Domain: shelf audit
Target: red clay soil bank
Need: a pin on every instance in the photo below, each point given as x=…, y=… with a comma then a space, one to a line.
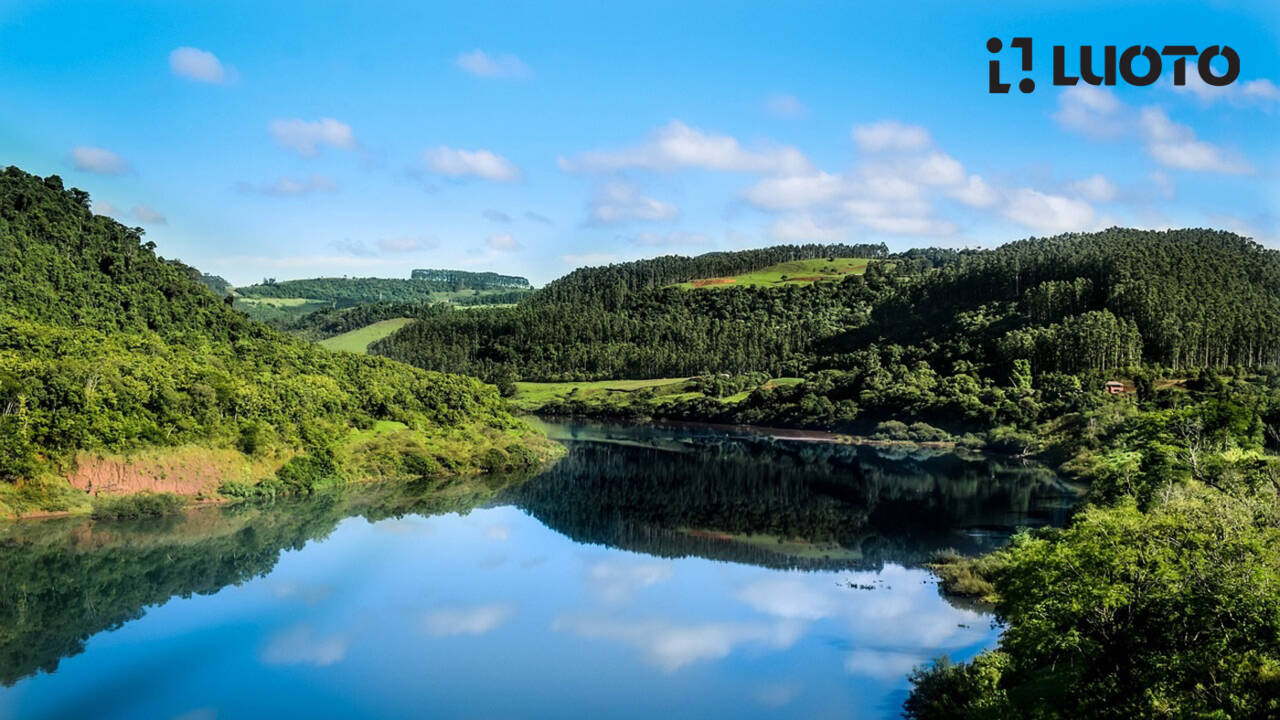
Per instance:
x=184, y=473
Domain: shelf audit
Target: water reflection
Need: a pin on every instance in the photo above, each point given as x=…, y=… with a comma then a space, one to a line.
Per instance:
x=456, y=600
x=682, y=490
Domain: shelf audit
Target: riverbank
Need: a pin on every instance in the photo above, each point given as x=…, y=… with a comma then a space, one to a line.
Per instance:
x=157, y=480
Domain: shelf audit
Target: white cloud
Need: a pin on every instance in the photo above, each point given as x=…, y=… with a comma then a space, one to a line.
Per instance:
x=891, y=135
x=148, y=214
x=290, y=187
x=471, y=163
x=503, y=243
x=784, y=105
x=900, y=217
x=538, y=218
x=619, y=201
x=496, y=216
x=1095, y=188
x=1097, y=112
x=975, y=192
x=671, y=647
x=937, y=168
x=307, y=137
x=482, y=64
x=787, y=598
x=883, y=665
x=677, y=146
x=1049, y=214
x=199, y=65
x=1262, y=90
x=102, y=207
x=476, y=620
x=1175, y=145
x=793, y=192
x=300, y=646
x=406, y=244
x=1090, y=111
x=805, y=228
x=616, y=582
x=98, y=160
x=1259, y=92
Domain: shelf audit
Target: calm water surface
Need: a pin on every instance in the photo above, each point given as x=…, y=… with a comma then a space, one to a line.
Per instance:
x=679, y=572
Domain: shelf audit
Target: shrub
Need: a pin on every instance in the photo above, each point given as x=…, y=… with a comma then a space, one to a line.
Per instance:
x=137, y=505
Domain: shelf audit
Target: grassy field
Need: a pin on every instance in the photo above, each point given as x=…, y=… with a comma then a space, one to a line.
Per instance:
x=797, y=272
x=358, y=341
x=278, y=309
x=532, y=395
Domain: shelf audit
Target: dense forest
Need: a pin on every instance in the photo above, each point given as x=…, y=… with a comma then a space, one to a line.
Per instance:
x=104, y=345
x=960, y=339
x=351, y=291
x=463, y=279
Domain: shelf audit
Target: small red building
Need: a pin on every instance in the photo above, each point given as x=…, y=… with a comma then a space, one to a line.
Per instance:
x=1115, y=387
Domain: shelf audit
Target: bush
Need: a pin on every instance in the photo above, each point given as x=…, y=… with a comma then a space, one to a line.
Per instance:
x=137, y=505
x=924, y=432
x=420, y=465
x=303, y=474
x=493, y=460
x=965, y=691
x=892, y=430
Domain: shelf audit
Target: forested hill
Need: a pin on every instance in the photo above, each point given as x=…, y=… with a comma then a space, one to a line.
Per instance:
x=472, y=280
x=919, y=323
x=105, y=346
x=1181, y=298
x=351, y=291
x=608, y=285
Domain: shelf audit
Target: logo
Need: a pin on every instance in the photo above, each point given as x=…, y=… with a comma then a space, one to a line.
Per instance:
x=1137, y=65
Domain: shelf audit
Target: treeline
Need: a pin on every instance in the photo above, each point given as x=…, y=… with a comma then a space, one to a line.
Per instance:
x=656, y=333
x=347, y=291
x=1196, y=299
x=960, y=339
x=475, y=280
x=104, y=345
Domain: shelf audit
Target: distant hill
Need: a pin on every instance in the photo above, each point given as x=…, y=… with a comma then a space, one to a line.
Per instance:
x=218, y=285
x=106, y=346
x=947, y=336
x=792, y=272
x=346, y=291
x=473, y=280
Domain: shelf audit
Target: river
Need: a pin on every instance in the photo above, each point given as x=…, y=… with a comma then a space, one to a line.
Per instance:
x=675, y=572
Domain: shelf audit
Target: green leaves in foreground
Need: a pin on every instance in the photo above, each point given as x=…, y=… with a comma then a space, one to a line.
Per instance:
x=1173, y=613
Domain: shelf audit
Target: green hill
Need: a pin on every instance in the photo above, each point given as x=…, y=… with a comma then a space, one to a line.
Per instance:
x=947, y=337
x=463, y=280
x=358, y=341
x=794, y=272
x=107, y=348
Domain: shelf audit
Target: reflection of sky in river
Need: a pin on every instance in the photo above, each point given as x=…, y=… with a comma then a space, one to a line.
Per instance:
x=491, y=615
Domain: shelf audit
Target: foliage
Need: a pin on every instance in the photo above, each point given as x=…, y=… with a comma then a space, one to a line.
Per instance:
x=104, y=345
x=462, y=279
x=137, y=505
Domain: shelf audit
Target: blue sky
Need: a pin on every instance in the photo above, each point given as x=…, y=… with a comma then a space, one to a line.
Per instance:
x=300, y=139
